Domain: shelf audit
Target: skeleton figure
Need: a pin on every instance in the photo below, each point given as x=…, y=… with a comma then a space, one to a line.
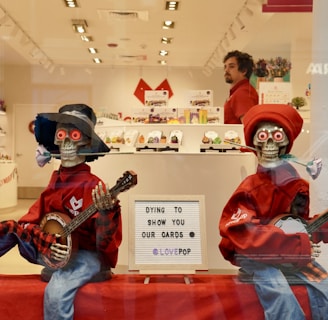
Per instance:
x=270, y=142
x=70, y=141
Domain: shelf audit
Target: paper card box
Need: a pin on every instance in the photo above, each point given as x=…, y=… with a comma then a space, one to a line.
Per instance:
x=140, y=115
x=214, y=115
x=162, y=115
x=200, y=98
x=156, y=98
x=188, y=115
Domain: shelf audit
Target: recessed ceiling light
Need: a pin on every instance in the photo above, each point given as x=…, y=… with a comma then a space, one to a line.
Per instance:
x=162, y=62
x=71, y=3
x=168, y=24
x=79, y=26
x=166, y=40
x=86, y=38
x=97, y=60
x=92, y=50
x=163, y=53
x=171, y=5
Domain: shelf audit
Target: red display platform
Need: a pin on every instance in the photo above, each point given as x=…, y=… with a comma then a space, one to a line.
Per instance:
x=127, y=297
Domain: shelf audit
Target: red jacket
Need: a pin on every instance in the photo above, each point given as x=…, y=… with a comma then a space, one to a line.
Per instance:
x=69, y=192
x=245, y=222
x=242, y=97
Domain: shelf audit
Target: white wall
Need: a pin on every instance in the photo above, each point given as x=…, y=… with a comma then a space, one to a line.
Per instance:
x=102, y=88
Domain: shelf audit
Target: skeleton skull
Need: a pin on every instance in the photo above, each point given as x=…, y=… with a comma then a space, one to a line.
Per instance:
x=270, y=141
x=70, y=140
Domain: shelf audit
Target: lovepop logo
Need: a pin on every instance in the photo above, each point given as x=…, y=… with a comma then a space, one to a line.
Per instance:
x=171, y=251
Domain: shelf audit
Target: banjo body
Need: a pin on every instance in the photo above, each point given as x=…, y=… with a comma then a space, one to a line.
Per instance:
x=55, y=223
x=290, y=223
x=61, y=224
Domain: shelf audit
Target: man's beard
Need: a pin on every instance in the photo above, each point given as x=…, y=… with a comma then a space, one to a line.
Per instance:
x=228, y=79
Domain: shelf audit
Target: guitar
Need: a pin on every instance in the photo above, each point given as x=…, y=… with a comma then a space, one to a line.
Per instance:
x=60, y=223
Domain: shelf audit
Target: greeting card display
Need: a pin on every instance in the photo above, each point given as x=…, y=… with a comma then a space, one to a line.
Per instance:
x=156, y=98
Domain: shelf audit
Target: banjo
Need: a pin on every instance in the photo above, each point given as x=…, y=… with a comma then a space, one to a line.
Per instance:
x=62, y=224
x=290, y=223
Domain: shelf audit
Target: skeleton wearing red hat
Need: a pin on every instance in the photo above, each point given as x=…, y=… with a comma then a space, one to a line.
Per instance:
x=257, y=223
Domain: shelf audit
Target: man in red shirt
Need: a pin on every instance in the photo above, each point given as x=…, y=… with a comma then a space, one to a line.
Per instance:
x=251, y=240
x=238, y=68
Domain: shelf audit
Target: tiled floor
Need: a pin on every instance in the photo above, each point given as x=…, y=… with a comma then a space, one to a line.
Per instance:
x=12, y=262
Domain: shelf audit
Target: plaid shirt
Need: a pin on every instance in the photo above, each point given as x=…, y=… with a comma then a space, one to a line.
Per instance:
x=69, y=192
x=41, y=240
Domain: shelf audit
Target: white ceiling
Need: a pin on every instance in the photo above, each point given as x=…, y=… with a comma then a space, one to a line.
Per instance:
x=40, y=32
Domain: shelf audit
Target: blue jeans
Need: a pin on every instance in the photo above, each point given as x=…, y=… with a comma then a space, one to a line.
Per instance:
x=61, y=290
x=277, y=298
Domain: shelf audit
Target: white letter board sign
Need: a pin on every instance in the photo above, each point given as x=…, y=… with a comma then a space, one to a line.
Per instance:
x=167, y=234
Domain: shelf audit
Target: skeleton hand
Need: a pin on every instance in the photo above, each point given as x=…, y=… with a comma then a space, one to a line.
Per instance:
x=103, y=200
x=59, y=251
x=314, y=273
x=315, y=250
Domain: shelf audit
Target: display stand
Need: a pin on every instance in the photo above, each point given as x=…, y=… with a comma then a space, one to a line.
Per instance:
x=185, y=277
x=217, y=148
x=157, y=147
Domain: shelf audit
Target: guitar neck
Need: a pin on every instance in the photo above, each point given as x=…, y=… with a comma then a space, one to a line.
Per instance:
x=318, y=222
x=126, y=182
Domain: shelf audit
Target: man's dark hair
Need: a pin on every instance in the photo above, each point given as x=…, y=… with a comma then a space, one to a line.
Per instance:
x=245, y=61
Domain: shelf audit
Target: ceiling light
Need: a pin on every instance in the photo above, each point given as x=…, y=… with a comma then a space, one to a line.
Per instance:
x=97, y=60
x=232, y=33
x=226, y=41
x=248, y=11
x=79, y=26
x=86, y=38
x=162, y=62
x=163, y=53
x=171, y=5
x=241, y=24
x=166, y=40
x=92, y=50
x=223, y=51
x=71, y=3
x=168, y=24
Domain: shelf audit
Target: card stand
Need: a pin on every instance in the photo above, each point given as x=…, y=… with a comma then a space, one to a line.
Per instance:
x=157, y=147
x=183, y=273
x=206, y=147
x=115, y=147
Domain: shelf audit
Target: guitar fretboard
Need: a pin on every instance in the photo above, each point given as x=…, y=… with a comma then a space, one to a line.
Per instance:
x=128, y=180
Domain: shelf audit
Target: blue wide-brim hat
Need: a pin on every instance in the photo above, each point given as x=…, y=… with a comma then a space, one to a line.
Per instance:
x=79, y=115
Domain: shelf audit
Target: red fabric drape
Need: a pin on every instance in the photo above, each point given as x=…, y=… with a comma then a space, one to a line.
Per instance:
x=127, y=297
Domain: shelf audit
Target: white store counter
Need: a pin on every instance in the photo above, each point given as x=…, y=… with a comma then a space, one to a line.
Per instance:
x=8, y=185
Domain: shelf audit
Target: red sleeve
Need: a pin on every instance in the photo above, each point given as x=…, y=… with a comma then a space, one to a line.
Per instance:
x=109, y=235
x=243, y=235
